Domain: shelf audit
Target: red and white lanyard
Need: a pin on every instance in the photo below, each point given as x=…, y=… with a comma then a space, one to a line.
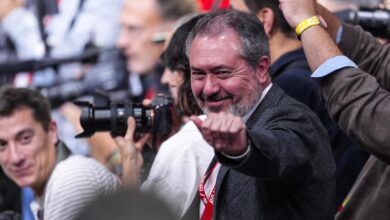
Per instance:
x=208, y=201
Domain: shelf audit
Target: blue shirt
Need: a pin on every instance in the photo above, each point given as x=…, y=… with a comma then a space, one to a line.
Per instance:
x=334, y=63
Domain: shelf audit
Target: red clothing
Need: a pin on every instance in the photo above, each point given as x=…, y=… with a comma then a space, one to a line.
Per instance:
x=205, y=5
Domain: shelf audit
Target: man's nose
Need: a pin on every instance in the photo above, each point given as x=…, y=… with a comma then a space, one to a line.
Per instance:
x=211, y=86
x=15, y=155
x=122, y=39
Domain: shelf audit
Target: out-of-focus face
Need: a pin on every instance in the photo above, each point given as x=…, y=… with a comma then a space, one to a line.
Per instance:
x=140, y=22
x=27, y=151
x=174, y=79
x=239, y=5
x=221, y=79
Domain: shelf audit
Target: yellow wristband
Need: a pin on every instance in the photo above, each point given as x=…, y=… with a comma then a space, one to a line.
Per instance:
x=305, y=24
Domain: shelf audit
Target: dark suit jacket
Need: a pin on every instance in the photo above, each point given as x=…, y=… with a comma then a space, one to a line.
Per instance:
x=360, y=103
x=289, y=171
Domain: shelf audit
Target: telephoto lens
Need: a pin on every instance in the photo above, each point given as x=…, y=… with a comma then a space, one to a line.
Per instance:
x=113, y=118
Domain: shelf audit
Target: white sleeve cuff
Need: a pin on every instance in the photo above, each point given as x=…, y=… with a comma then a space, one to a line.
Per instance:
x=238, y=157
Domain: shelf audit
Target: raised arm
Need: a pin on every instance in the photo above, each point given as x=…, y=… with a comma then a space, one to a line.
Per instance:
x=319, y=46
x=354, y=98
x=360, y=46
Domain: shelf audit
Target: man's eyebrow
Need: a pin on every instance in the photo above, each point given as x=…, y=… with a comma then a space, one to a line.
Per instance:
x=213, y=69
x=132, y=27
x=24, y=131
x=196, y=69
x=221, y=67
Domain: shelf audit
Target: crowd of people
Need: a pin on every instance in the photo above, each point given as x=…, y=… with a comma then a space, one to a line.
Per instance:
x=279, y=111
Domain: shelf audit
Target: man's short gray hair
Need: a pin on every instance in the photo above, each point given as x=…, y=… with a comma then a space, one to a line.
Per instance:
x=254, y=42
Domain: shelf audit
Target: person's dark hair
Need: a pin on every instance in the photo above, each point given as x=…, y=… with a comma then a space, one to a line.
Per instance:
x=175, y=9
x=174, y=57
x=12, y=99
x=127, y=204
x=280, y=22
x=253, y=39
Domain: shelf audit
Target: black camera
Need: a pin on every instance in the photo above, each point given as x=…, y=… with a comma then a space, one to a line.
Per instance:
x=375, y=21
x=155, y=117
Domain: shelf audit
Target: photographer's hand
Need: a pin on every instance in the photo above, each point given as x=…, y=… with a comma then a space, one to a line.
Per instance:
x=72, y=113
x=131, y=155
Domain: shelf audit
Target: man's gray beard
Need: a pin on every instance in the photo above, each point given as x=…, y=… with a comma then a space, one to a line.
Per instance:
x=237, y=110
x=242, y=110
x=212, y=109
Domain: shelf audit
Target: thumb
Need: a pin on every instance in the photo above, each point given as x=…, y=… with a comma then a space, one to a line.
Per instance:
x=141, y=142
x=197, y=121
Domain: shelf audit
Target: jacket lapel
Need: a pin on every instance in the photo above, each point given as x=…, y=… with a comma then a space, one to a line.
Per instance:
x=270, y=99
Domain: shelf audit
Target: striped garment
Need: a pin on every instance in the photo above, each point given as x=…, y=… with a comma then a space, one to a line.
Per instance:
x=74, y=183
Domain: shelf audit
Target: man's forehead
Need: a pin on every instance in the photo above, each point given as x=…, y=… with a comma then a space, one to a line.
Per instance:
x=139, y=6
x=22, y=111
x=143, y=13
x=207, y=56
x=226, y=40
x=20, y=120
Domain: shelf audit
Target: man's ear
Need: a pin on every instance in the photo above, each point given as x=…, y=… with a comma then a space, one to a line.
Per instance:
x=53, y=132
x=262, y=71
x=267, y=17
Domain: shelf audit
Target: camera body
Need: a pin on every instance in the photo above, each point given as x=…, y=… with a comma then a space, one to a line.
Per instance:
x=155, y=117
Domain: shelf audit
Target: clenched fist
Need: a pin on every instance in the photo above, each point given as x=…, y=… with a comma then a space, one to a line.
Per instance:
x=225, y=132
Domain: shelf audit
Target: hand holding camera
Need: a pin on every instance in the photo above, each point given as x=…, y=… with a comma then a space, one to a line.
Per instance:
x=131, y=153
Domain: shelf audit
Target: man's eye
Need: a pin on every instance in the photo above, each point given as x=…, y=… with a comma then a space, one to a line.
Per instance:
x=3, y=145
x=25, y=139
x=197, y=75
x=223, y=74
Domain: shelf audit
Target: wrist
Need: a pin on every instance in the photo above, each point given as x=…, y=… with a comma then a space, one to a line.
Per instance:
x=131, y=156
x=309, y=22
x=240, y=155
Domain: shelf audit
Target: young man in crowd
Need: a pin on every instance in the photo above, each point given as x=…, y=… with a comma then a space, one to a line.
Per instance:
x=32, y=156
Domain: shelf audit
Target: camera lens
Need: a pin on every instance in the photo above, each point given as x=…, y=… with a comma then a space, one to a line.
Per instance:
x=113, y=118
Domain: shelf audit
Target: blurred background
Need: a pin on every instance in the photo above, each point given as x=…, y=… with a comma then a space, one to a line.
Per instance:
x=88, y=50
